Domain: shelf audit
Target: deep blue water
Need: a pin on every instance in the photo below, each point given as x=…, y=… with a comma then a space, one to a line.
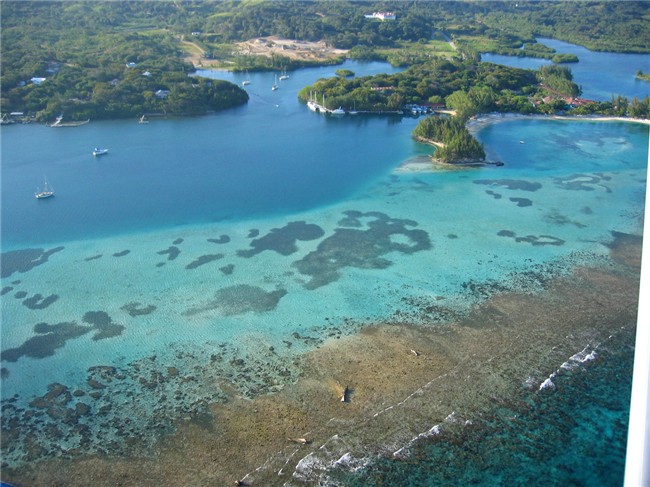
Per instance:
x=270, y=156
x=599, y=74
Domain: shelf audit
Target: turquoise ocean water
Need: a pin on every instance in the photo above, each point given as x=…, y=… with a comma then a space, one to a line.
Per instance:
x=266, y=226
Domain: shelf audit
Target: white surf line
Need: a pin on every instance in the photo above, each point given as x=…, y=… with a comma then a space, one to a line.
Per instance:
x=418, y=391
x=573, y=361
x=280, y=472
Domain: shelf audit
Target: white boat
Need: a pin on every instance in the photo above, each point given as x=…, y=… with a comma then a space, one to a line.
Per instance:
x=60, y=123
x=284, y=75
x=143, y=119
x=247, y=81
x=99, y=152
x=338, y=111
x=46, y=193
x=312, y=104
x=275, y=84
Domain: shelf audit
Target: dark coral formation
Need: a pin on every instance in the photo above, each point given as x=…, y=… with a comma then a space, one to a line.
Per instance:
x=522, y=202
x=37, y=301
x=24, y=260
x=223, y=239
x=240, y=299
x=171, y=252
x=227, y=269
x=48, y=339
x=583, y=182
x=203, y=259
x=103, y=324
x=361, y=248
x=124, y=409
x=534, y=240
x=138, y=309
x=514, y=184
x=283, y=240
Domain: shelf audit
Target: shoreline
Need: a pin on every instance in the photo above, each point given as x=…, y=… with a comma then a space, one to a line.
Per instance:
x=418, y=164
x=476, y=124
x=402, y=380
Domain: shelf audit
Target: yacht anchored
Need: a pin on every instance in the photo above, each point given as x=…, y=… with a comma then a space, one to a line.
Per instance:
x=99, y=152
x=46, y=193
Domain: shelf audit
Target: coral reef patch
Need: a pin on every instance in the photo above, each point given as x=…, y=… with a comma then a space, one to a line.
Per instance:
x=24, y=260
x=361, y=248
x=283, y=240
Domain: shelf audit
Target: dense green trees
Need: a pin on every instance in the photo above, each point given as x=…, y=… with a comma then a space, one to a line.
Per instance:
x=453, y=140
x=469, y=87
x=558, y=79
x=83, y=51
x=82, y=48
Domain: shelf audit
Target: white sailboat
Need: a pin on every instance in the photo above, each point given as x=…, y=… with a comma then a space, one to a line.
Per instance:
x=143, y=119
x=46, y=193
x=284, y=75
x=311, y=104
x=247, y=81
x=275, y=84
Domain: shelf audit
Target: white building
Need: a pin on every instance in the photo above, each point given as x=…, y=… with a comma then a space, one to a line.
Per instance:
x=381, y=16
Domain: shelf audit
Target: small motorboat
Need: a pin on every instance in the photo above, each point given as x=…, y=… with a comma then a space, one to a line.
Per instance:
x=99, y=152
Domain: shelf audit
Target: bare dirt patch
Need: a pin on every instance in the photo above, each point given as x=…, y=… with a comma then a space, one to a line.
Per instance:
x=297, y=50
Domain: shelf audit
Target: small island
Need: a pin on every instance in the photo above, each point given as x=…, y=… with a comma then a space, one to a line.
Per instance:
x=454, y=144
x=642, y=76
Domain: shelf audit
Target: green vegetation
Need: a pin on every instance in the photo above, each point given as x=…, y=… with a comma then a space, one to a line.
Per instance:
x=642, y=76
x=344, y=73
x=432, y=82
x=94, y=69
x=453, y=140
x=82, y=49
x=558, y=80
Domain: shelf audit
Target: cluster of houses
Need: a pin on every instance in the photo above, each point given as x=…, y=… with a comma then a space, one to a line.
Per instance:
x=571, y=102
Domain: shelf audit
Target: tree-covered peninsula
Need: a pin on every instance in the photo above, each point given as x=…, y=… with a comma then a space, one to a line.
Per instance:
x=106, y=59
x=84, y=60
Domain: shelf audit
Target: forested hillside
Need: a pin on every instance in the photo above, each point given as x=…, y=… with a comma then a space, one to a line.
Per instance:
x=105, y=59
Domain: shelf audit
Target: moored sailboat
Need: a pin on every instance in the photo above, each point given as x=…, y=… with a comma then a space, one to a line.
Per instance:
x=247, y=81
x=46, y=193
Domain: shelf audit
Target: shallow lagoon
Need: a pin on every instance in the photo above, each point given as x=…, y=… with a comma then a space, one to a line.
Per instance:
x=141, y=316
